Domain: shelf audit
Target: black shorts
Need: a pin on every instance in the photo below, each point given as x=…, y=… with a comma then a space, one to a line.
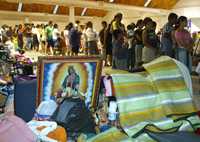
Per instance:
x=50, y=43
x=75, y=49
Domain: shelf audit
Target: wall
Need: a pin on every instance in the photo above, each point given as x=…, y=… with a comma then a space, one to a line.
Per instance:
x=14, y=18
x=189, y=8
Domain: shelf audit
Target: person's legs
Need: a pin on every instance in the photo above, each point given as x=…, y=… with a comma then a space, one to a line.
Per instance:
x=149, y=54
x=132, y=63
x=113, y=62
x=185, y=58
x=138, y=55
x=86, y=48
x=92, y=46
x=122, y=64
x=166, y=47
x=28, y=43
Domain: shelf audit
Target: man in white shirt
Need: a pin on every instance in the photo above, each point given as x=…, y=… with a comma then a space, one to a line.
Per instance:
x=56, y=33
x=92, y=39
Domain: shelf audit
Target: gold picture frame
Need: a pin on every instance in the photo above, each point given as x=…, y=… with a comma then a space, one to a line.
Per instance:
x=53, y=71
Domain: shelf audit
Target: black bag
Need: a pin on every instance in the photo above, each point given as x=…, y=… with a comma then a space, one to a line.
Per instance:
x=73, y=115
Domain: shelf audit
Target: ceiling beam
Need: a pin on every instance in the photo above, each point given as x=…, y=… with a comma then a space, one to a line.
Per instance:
x=55, y=9
x=19, y=9
x=147, y=3
x=92, y=4
x=83, y=12
x=14, y=15
x=111, y=0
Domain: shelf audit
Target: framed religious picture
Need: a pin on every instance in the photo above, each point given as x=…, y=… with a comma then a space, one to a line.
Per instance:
x=73, y=77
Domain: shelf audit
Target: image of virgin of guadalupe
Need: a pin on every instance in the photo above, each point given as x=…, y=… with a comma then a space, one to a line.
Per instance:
x=71, y=83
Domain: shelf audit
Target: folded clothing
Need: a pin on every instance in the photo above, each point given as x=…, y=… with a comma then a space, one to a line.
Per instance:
x=48, y=131
x=45, y=110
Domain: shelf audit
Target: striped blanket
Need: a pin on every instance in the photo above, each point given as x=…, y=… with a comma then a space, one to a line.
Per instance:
x=158, y=100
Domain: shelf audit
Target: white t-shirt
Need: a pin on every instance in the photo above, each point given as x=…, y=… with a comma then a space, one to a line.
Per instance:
x=66, y=35
x=91, y=35
x=36, y=31
x=55, y=34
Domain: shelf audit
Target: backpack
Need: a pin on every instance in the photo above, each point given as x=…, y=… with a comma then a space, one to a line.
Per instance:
x=73, y=115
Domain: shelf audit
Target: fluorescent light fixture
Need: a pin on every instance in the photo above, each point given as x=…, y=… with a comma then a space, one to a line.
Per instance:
x=55, y=9
x=19, y=7
x=84, y=11
x=147, y=3
x=111, y=0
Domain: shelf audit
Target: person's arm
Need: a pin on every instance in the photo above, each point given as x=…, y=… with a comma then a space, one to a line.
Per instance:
x=138, y=37
x=70, y=37
x=173, y=38
x=190, y=42
x=144, y=39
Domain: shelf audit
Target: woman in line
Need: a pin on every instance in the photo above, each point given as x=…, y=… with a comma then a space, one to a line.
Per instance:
x=151, y=42
x=185, y=43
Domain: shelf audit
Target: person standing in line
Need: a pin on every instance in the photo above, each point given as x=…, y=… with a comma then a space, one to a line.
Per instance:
x=74, y=39
x=67, y=50
x=36, y=37
x=82, y=46
x=20, y=32
x=166, y=39
x=92, y=39
x=102, y=40
x=49, y=35
x=150, y=41
x=29, y=37
x=108, y=45
x=84, y=39
x=116, y=24
x=131, y=46
x=43, y=39
x=120, y=50
x=185, y=43
x=139, y=43
x=62, y=44
x=55, y=35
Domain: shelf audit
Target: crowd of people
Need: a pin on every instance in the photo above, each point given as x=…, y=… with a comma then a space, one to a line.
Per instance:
x=139, y=43
x=122, y=47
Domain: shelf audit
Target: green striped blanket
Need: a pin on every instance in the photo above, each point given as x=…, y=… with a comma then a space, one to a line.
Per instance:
x=157, y=100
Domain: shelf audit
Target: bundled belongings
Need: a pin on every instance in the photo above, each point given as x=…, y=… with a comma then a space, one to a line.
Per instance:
x=23, y=65
x=45, y=110
x=158, y=100
x=73, y=115
x=14, y=129
x=6, y=94
x=48, y=131
x=4, y=53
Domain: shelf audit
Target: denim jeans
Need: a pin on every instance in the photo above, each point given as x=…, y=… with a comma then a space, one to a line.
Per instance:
x=166, y=47
x=138, y=54
x=184, y=57
x=29, y=42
